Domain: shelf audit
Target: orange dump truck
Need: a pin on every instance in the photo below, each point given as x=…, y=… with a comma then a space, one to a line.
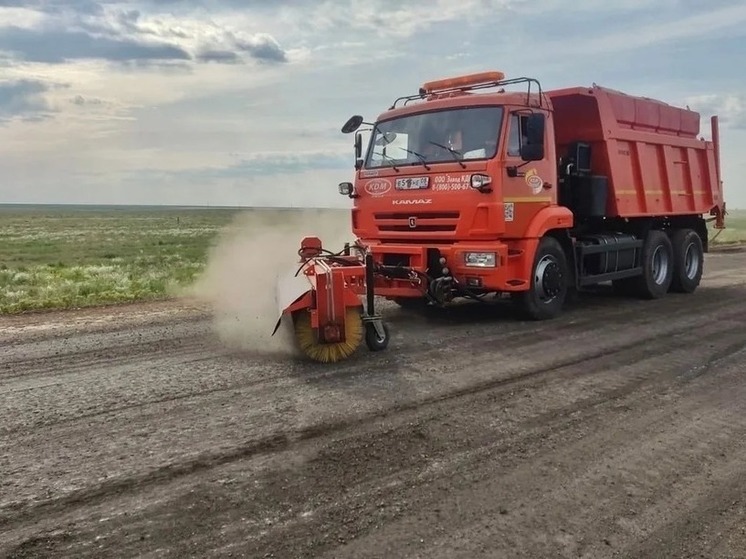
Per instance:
x=467, y=189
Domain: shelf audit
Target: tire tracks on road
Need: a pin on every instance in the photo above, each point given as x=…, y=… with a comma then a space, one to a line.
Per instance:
x=285, y=440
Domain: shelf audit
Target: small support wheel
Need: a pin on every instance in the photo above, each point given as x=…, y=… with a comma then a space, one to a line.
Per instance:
x=373, y=339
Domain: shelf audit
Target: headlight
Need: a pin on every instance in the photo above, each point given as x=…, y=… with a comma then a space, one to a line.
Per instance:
x=480, y=259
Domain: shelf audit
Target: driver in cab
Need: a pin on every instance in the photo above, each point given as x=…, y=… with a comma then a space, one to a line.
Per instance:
x=478, y=145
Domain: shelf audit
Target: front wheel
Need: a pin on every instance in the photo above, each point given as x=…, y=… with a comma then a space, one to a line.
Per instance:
x=549, y=283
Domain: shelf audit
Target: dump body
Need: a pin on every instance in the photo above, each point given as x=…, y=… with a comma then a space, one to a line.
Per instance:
x=648, y=151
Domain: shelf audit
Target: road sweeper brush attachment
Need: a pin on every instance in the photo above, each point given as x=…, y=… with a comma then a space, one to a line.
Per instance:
x=323, y=300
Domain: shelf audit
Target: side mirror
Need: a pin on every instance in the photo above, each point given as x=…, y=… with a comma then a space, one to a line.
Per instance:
x=352, y=124
x=533, y=149
x=347, y=189
x=358, y=151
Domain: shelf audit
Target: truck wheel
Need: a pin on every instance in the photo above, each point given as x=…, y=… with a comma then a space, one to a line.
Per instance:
x=549, y=283
x=688, y=260
x=657, y=266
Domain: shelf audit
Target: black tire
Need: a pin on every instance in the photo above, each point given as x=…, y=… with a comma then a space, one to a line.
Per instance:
x=688, y=260
x=657, y=266
x=373, y=341
x=550, y=279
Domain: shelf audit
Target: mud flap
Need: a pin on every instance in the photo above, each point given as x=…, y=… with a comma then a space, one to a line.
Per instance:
x=289, y=290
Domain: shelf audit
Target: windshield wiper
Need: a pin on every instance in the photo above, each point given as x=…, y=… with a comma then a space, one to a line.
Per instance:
x=421, y=157
x=388, y=157
x=457, y=155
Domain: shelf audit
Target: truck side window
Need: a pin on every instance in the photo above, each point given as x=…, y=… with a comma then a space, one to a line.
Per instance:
x=516, y=134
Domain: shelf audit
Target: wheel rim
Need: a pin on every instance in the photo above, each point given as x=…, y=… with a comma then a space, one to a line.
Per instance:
x=691, y=261
x=660, y=265
x=548, y=279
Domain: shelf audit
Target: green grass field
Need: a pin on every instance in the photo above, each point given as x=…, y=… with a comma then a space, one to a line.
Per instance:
x=735, y=231
x=69, y=257
x=63, y=257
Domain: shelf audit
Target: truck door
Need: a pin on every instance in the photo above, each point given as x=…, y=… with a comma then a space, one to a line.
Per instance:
x=527, y=185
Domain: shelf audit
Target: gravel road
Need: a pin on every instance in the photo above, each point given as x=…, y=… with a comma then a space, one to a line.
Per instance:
x=133, y=432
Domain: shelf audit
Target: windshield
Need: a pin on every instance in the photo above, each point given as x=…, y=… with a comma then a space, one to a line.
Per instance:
x=436, y=137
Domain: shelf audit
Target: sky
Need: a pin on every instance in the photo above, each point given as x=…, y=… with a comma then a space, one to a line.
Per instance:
x=240, y=102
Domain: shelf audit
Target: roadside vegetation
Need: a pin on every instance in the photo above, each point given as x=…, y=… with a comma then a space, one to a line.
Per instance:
x=63, y=258
x=735, y=231
x=56, y=257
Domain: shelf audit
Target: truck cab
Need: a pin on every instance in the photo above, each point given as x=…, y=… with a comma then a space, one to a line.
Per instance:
x=451, y=185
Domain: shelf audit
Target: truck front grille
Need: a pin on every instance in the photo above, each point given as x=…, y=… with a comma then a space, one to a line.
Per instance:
x=416, y=222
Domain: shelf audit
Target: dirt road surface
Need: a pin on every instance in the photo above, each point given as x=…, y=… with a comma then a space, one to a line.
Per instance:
x=618, y=430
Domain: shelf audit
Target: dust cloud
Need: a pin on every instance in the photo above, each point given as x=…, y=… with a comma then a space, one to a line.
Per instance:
x=239, y=282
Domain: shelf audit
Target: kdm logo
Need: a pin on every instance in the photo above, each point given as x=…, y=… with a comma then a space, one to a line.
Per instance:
x=378, y=187
x=412, y=201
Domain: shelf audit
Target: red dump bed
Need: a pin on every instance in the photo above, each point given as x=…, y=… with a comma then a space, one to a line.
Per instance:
x=648, y=150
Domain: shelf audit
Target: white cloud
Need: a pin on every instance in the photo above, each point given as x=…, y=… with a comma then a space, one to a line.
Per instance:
x=730, y=108
x=386, y=18
x=20, y=17
x=241, y=101
x=657, y=30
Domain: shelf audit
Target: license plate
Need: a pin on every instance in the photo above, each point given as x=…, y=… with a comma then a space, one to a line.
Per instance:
x=412, y=183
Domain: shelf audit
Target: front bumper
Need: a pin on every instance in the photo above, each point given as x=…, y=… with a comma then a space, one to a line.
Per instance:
x=405, y=268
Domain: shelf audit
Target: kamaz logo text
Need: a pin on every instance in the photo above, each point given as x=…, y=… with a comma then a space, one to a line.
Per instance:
x=412, y=201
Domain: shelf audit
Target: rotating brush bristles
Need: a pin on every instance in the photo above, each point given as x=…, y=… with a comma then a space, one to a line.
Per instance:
x=308, y=343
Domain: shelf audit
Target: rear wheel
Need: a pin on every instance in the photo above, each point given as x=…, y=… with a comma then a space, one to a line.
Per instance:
x=688, y=260
x=657, y=266
x=549, y=282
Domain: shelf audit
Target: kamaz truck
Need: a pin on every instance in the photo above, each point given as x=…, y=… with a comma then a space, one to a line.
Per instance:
x=480, y=185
